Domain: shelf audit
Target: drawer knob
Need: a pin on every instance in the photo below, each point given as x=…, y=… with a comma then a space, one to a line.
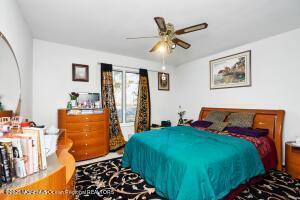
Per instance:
x=86, y=118
x=85, y=144
x=86, y=153
x=86, y=135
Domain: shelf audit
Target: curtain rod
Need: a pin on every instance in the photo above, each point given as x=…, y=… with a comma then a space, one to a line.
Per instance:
x=149, y=70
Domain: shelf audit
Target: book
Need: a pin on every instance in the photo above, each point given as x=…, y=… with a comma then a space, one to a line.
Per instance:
x=40, y=134
x=5, y=166
x=18, y=157
x=7, y=143
x=34, y=151
x=27, y=150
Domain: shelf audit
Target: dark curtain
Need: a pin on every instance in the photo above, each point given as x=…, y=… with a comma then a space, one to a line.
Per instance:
x=108, y=101
x=143, y=110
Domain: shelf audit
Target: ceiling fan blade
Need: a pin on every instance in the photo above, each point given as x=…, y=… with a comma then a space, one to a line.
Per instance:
x=155, y=47
x=160, y=21
x=181, y=43
x=145, y=37
x=192, y=28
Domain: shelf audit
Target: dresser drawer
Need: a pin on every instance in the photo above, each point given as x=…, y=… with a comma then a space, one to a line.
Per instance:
x=84, y=118
x=78, y=136
x=89, y=153
x=91, y=143
x=85, y=127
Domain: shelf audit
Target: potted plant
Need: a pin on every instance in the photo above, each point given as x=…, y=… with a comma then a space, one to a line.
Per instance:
x=73, y=97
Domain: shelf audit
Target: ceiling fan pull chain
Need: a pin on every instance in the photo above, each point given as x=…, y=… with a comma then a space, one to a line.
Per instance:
x=163, y=59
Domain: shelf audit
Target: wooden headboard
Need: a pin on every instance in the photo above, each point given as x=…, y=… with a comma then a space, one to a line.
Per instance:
x=268, y=119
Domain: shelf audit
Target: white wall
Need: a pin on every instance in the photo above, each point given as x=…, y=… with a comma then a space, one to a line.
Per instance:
x=15, y=29
x=53, y=80
x=275, y=81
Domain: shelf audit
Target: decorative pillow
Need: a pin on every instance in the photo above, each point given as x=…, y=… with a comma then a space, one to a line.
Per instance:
x=244, y=120
x=216, y=116
x=218, y=126
x=258, y=132
x=201, y=123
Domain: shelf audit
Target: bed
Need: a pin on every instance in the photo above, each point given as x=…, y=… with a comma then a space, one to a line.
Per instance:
x=185, y=163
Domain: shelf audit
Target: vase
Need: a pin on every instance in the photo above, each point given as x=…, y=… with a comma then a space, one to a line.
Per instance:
x=74, y=103
x=180, y=121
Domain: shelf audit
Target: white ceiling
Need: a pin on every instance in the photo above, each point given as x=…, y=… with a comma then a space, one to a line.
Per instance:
x=104, y=24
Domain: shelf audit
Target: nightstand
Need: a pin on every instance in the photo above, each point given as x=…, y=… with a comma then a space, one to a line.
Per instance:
x=292, y=160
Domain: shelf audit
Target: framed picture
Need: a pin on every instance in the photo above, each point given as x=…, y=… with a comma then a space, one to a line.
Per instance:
x=163, y=81
x=231, y=71
x=80, y=72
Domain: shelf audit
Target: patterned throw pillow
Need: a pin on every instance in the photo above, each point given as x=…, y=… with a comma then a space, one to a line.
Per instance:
x=216, y=116
x=244, y=120
x=218, y=126
x=201, y=123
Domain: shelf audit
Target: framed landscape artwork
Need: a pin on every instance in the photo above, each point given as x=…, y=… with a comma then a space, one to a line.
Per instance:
x=80, y=72
x=231, y=71
x=163, y=81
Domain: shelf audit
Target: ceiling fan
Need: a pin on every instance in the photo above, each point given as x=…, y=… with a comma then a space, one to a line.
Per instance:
x=167, y=34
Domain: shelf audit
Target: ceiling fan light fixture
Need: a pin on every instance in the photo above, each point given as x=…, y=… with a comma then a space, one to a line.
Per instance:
x=162, y=49
x=168, y=36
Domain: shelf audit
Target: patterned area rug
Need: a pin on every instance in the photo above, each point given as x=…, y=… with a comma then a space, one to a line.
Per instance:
x=107, y=180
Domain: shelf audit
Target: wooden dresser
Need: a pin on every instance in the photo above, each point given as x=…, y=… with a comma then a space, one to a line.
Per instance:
x=89, y=133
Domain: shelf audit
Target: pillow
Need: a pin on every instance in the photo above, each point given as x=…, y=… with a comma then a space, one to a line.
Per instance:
x=218, y=126
x=201, y=123
x=244, y=120
x=258, y=132
x=216, y=116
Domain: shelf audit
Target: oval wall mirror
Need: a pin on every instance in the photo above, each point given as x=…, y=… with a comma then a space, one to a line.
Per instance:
x=10, y=79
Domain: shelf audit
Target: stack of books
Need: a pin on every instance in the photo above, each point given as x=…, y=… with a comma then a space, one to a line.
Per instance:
x=22, y=154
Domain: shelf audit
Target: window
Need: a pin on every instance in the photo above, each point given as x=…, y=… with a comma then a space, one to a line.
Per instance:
x=118, y=92
x=132, y=83
x=126, y=94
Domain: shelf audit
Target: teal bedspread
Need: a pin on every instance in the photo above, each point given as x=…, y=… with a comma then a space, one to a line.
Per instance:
x=185, y=163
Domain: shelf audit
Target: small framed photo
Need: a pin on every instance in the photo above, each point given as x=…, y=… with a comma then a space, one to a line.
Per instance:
x=80, y=72
x=163, y=81
x=231, y=71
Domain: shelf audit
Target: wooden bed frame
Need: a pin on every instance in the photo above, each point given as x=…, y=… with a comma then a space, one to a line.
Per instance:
x=268, y=119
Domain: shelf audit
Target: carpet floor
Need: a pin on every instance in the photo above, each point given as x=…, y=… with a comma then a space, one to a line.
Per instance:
x=107, y=180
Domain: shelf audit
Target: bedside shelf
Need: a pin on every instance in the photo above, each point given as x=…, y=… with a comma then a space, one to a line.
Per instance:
x=292, y=159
